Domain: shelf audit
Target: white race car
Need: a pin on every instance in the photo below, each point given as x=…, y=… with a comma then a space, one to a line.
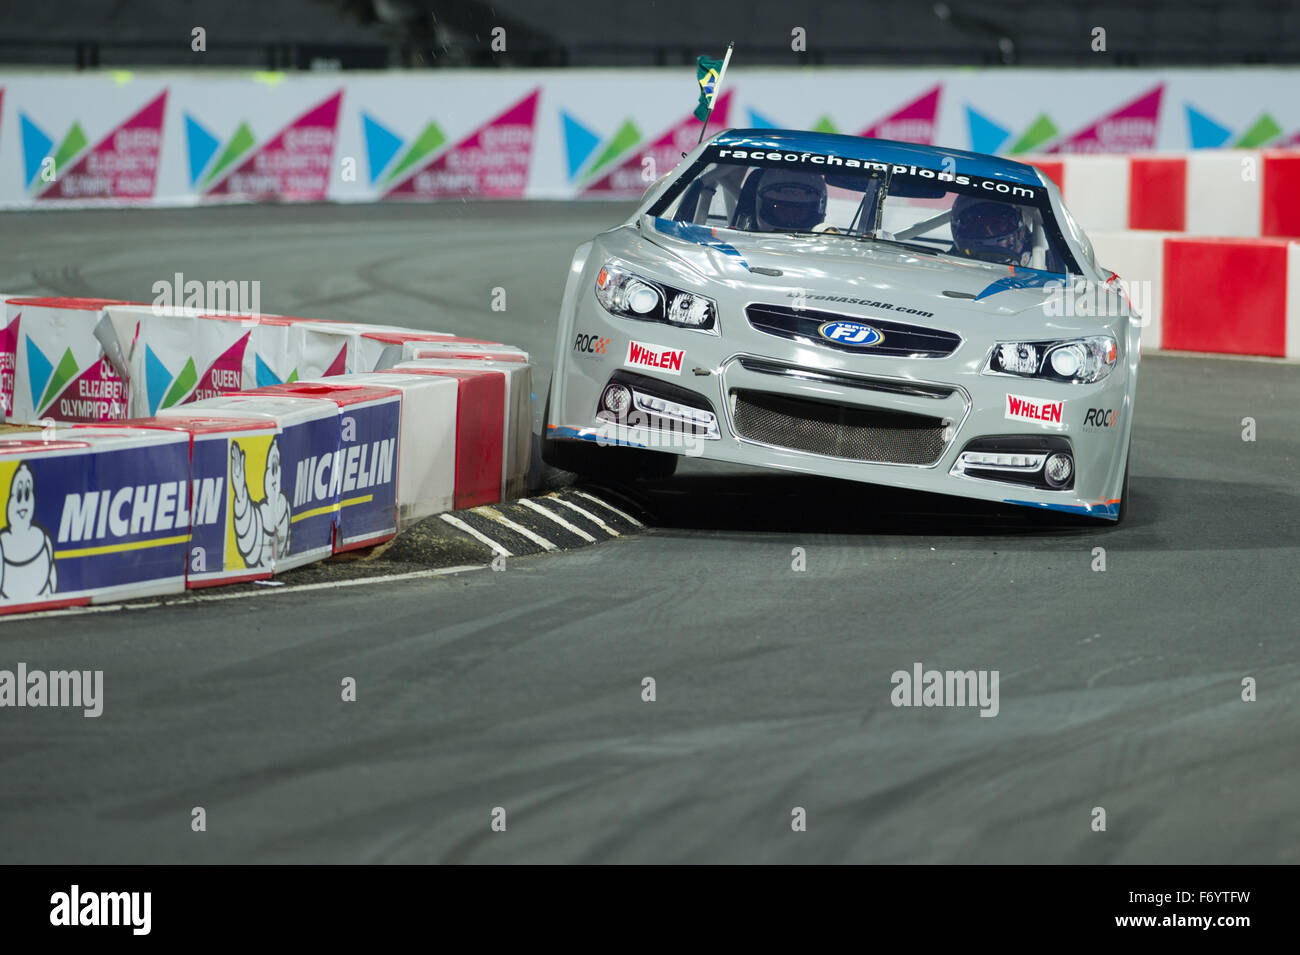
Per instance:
x=882, y=312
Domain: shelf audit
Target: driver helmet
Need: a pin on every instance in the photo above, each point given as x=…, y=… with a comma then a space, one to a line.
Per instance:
x=991, y=230
x=790, y=200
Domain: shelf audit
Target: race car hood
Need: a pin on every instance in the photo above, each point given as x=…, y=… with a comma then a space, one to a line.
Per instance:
x=851, y=268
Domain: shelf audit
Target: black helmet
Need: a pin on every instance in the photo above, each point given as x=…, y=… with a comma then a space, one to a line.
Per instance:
x=991, y=230
x=790, y=200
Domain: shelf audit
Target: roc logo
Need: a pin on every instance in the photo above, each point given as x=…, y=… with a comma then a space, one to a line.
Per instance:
x=1098, y=419
x=590, y=344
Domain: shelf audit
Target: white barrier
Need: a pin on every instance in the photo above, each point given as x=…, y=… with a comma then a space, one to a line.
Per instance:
x=63, y=368
x=426, y=461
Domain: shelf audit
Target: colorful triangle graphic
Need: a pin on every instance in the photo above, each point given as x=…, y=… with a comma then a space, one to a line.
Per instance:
x=315, y=133
x=264, y=376
x=579, y=142
x=64, y=373
x=182, y=386
x=156, y=379
x=758, y=121
x=624, y=139
x=986, y=136
x=72, y=144
x=148, y=118
x=1041, y=130
x=339, y=366
x=1260, y=132
x=382, y=145
x=228, y=367
x=1204, y=132
x=627, y=176
x=239, y=143
x=493, y=161
x=914, y=122
x=36, y=146
x=430, y=139
x=39, y=370
x=1131, y=128
x=201, y=146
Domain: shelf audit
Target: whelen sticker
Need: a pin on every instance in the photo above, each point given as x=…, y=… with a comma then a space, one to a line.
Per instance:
x=1032, y=409
x=640, y=355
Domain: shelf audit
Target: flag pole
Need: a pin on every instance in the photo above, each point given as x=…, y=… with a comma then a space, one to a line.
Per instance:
x=717, y=88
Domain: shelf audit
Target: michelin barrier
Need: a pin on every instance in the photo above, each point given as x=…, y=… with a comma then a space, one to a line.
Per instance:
x=171, y=454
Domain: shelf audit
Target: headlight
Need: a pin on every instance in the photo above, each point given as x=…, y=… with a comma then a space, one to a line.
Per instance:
x=1081, y=361
x=622, y=293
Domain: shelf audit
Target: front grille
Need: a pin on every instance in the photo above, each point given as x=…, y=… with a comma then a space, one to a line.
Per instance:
x=898, y=340
x=860, y=434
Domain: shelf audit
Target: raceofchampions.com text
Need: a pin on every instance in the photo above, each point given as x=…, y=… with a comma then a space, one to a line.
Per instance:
x=896, y=169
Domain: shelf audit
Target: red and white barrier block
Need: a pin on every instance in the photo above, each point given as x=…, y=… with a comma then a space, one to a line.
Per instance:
x=1236, y=296
x=1221, y=192
x=514, y=428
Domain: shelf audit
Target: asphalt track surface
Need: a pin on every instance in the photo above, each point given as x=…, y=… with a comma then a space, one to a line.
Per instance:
x=523, y=689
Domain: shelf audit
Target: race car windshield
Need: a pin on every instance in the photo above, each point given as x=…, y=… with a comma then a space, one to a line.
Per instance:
x=987, y=220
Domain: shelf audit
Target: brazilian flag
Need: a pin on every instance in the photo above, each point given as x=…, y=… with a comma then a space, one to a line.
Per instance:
x=706, y=73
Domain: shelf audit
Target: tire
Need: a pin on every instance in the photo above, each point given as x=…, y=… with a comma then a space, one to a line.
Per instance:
x=588, y=459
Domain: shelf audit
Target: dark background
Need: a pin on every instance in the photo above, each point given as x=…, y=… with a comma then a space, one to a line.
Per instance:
x=372, y=34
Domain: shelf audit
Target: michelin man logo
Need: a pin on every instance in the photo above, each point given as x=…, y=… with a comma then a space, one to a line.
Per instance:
x=261, y=528
x=26, y=551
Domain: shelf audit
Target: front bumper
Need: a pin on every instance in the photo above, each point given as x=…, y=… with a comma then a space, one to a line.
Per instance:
x=899, y=422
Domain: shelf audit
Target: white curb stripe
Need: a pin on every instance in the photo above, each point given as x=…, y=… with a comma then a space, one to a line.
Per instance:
x=610, y=507
x=457, y=523
x=585, y=513
x=534, y=506
x=493, y=514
